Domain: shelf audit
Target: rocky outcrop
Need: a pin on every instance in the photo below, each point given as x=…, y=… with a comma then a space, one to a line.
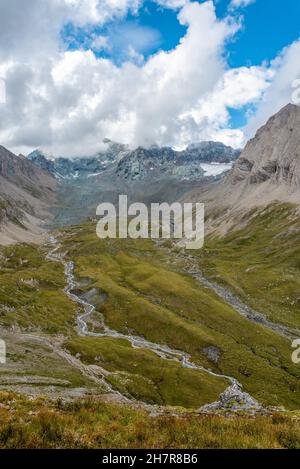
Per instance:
x=152, y=164
x=83, y=167
x=274, y=153
x=158, y=163
x=234, y=399
x=145, y=174
x=209, y=152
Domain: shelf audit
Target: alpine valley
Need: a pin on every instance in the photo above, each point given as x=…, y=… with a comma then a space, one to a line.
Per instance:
x=142, y=343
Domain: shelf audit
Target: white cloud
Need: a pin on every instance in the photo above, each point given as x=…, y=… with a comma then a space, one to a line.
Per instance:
x=174, y=4
x=68, y=101
x=99, y=11
x=131, y=40
x=100, y=43
x=31, y=28
x=237, y=88
x=241, y=3
x=286, y=69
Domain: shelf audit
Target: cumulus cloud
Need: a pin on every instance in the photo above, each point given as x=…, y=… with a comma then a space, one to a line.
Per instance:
x=99, y=11
x=173, y=4
x=283, y=89
x=31, y=29
x=241, y=3
x=68, y=101
x=131, y=40
x=237, y=88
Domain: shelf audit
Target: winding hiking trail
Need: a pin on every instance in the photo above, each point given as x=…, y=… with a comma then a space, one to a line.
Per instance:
x=234, y=391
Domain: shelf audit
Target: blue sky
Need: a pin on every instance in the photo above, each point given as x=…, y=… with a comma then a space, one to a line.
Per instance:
x=153, y=28
x=267, y=26
x=169, y=72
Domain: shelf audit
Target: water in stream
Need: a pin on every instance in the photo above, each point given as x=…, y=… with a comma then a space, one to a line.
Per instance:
x=232, y=393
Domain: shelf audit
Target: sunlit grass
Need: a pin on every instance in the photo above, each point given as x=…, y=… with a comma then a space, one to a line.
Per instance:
x=94, y=424
x=147, y=295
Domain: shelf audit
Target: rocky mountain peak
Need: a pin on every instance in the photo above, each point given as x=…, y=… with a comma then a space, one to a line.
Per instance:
x=154, y=163
x=210, y=151
x=19, y=170
x=274, y=153
x=161, y=162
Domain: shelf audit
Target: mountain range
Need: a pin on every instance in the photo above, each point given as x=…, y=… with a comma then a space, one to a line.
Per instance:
x=266, y=171
x=67, y=190
x=141, y=163
x=145, y=175
x=148, y=325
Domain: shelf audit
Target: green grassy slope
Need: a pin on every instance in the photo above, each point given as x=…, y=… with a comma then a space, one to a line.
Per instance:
x=32, y=301
x=33, y=305
x=143, y=375
x=31, y=293
x=260, y=262
x=93, y=424
x=148, y=296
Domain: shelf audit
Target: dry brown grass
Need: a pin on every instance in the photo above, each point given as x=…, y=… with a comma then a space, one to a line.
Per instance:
x=94, y=424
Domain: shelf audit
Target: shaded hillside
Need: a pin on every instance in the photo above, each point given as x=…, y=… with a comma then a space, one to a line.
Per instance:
x=26, y=192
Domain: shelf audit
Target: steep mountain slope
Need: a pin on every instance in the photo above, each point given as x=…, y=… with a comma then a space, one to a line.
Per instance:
x=253, y=223
x=273, y=156
x=83, y=167
x=165, y=163
x=152, y=164
x=145, y=175
x=259, y=261
x=211, y=152
x=159, y=163
x=155, y=163
x=267, y=170
x=136, y=320
x=25, y=194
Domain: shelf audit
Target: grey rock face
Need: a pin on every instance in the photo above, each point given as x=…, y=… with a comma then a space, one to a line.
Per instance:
x=274, y=154
x=167, y=163
x=145, y=175
x=234, y=399
x=39, y=159
x=158, y=163
x=212, y=353
x=140, y=164
x=212, y=152
x=74, y=168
